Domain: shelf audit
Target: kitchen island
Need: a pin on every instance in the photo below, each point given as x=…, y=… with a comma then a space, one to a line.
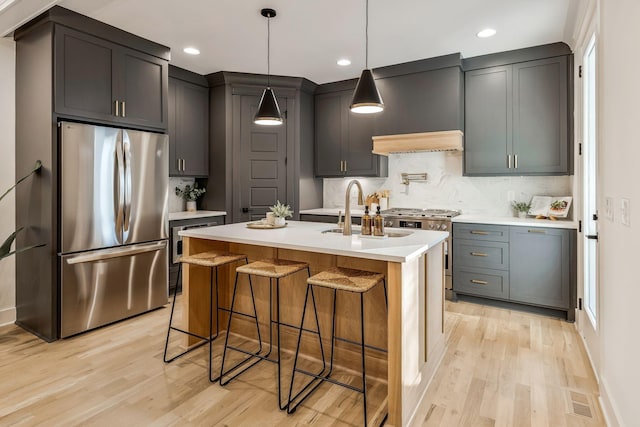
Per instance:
x=412, y=331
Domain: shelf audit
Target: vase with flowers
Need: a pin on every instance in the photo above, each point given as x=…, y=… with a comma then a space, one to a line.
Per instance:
x=191, y=194
x=280, y=213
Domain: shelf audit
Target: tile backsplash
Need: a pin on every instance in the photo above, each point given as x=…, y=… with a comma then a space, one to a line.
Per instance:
x=176, y=203
x=446, y=188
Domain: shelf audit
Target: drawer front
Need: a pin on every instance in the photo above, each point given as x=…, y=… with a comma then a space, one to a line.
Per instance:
x=473, y=253
x=493, y=233
x=481, y=282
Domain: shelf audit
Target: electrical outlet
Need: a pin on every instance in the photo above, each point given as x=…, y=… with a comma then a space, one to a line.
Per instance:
x=511, y=196
x=625, y=212
x=608, y=208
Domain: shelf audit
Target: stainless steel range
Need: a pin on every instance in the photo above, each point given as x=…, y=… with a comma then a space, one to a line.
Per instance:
x=426, y=219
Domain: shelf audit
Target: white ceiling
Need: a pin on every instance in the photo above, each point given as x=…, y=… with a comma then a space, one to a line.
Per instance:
x=307, y=37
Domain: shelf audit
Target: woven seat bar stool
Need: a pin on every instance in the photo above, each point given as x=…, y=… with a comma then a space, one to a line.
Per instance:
x=274, y=269
x=344, y=280
x=213, y=260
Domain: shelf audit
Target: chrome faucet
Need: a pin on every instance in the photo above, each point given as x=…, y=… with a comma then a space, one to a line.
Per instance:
x=346, y=231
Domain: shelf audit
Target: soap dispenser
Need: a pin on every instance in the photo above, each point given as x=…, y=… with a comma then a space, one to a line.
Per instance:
x=366, y=222
x=378, y=224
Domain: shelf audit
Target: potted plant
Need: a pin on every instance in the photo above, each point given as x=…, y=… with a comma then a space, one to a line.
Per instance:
x=521, y=208
x=280, y=213
x=190, y=194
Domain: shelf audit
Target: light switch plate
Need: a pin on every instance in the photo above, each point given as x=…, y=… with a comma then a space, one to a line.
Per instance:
x=625, y=212
x=608, y=208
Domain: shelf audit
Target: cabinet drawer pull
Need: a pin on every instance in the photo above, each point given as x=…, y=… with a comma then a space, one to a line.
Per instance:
x=479, y=282
x=484, y=233
x=537, y=231
x=117, y=107
x=479, y=254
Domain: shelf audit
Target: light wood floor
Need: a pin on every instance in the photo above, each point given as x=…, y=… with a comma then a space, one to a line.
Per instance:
x=501, y=368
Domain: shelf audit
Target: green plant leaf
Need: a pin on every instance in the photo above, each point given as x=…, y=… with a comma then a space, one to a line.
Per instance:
x=36, y=168
x=5, y=249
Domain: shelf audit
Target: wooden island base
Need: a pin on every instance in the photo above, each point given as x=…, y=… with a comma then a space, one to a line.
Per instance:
x=411, y=329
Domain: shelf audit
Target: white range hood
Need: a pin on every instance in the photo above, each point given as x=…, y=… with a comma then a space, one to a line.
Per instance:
x=450, y=140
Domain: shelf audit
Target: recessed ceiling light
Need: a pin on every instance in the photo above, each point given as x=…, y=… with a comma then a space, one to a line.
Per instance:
x=487, y=32
x=191, y=51
x=344, y=62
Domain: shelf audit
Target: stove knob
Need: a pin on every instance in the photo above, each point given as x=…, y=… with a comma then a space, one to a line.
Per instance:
x=431, y=226
x=443, y=227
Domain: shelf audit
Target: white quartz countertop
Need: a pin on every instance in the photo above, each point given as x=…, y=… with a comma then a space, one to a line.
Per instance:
x=524, y=222
x=307, y=236
x=331, y=211
x=176, y=216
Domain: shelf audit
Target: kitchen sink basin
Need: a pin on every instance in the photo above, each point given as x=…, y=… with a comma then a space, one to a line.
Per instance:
x=394, y=233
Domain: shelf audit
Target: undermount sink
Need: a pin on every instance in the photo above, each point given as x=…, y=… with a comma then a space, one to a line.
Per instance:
x=394, y=233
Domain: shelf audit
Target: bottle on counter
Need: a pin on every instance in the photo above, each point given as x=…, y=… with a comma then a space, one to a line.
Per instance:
x=366, y=222
x=378, y=224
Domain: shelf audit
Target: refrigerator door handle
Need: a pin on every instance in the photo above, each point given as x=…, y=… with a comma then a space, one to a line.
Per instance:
x=126, y=143
x=120, y=189
x=116, y=253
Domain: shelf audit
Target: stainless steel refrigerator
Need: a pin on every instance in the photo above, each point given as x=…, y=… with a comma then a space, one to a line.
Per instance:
x=114, y=186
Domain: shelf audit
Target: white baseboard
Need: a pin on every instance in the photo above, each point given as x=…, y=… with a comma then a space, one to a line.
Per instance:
x=586, y=350
x=609, y=409
x=7, y=316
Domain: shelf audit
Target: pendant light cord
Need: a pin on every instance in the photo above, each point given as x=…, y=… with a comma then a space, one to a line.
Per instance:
x=366, y=32
x=269, y=51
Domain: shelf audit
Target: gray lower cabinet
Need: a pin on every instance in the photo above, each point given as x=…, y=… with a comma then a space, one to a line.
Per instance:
x=188, y=128
x=529, y=265
x=98, y=79
x=517, y=119
x=541, y=266
x=343, y=140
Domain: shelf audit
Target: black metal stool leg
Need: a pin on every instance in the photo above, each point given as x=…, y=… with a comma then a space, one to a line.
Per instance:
x=226, y=343
x=170, y=328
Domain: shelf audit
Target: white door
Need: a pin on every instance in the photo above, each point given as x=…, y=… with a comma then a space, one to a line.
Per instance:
x=589, y=292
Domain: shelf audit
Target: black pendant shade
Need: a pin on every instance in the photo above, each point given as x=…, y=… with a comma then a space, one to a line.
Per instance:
x=268, y=110
x=366, y=98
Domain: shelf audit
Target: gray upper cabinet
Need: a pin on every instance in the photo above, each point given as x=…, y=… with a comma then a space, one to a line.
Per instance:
x=343, y=140
x=488, y=121
x=188, y=128
x=541, y=266
x=517, y=119
x=97, y=79
x=421, y=96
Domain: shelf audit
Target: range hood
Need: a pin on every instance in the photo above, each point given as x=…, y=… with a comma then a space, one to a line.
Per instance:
x=450, y=140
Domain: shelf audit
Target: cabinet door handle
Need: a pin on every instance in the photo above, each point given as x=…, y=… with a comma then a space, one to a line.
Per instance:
x=515, y=160
x=479, y=282
x=341, y=165
x=117, y=107
x=345, y=165
x=484, y=233
x=184, y=165
x=479, y=254
x=537, y=231
x=509, y=161
x=123, y=110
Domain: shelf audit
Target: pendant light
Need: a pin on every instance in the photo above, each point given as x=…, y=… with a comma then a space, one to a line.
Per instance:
x=268, y=111
x=366, y=98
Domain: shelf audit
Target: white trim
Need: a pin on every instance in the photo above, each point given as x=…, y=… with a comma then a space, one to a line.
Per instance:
x=7, y=316
x=609, y=410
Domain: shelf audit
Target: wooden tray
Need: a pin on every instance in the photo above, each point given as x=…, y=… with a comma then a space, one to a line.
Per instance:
x=264, y=226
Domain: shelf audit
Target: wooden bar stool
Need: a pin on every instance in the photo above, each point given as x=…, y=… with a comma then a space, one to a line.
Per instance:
x=213, y=260
x=344, y=280
x=272, y=269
